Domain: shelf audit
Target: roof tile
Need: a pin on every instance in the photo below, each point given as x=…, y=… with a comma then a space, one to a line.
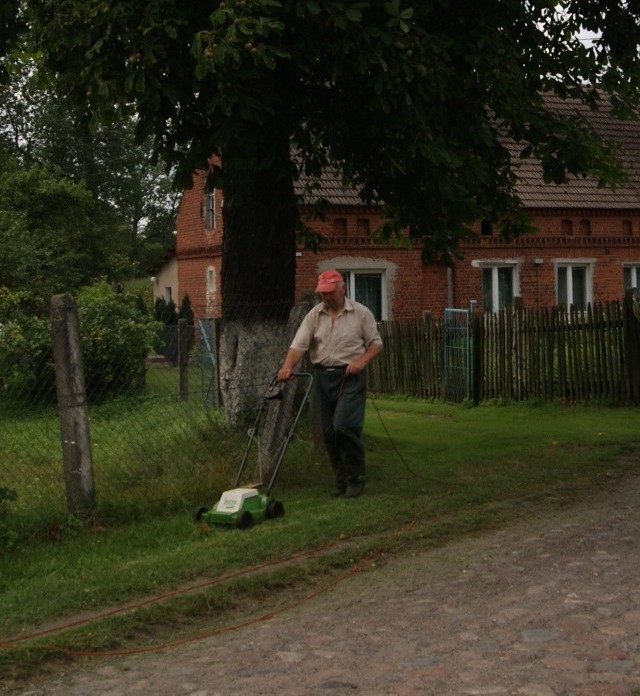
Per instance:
x=533, y=191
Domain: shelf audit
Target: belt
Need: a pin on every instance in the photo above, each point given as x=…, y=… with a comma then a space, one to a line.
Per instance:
x=329, y=368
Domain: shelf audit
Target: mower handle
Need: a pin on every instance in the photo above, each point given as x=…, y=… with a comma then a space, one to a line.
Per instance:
x=275, y=392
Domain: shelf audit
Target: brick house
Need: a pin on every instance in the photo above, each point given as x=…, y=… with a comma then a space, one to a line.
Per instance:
x=164, y=279
x=587, y=248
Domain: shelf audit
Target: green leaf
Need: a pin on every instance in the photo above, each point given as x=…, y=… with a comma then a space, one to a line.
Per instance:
x=392, y=7
x=201, y=70
x=353, y=15
x=311, y=6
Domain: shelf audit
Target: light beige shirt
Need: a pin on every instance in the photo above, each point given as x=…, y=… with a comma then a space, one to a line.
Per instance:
x=337, y=341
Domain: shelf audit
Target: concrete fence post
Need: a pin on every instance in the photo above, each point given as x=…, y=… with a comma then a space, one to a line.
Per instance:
x=183, y=358
x=72, y=406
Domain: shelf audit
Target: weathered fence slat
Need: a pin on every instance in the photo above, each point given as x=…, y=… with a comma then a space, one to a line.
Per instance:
x=548, y=353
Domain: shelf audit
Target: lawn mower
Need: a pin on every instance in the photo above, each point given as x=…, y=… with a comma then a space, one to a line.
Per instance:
x=244, y=506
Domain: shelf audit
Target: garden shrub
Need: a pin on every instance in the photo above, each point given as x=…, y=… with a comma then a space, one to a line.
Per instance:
x=116, y=336
x=116, y=339
x=167, y=339
x=26, y=356
x=165, y=311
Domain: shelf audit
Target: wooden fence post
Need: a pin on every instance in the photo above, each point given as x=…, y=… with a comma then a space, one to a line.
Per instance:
x=631, y=323
x=72, y=406
x=517, y=346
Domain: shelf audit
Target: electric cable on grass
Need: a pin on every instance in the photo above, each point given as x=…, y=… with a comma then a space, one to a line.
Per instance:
x=12, y=643
x=300, y=555
x=415, y=474
x=354, y=568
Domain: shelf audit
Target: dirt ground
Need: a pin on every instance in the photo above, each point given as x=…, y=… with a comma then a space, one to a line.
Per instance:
x=545, y=607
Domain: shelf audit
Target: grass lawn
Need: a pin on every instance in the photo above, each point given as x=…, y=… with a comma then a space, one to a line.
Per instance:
x=436, y=472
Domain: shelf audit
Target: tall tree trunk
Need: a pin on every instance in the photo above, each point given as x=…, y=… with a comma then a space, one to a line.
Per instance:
x=258, y=263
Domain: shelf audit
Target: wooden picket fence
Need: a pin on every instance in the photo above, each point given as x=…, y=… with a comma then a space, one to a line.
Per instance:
x=548, y=354
x=412, y=360
x=537, y=354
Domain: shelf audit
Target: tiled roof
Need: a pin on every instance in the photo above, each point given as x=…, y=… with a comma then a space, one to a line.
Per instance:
x=575, y=193
x=584, y=192
x=329, y=187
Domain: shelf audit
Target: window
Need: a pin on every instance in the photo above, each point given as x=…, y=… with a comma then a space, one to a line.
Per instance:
x=167, y=294
x=210, y=210
x=362, y=227
x=211, y=280
x=567, y=227
x=631, y=276
x=367, y=287
x=499, y=286
x=340, y=227
x=627, y=228
x=585, y=227
x=574, y=285
x=486, y=228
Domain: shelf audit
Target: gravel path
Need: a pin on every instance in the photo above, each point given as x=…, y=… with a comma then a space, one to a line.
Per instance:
x=545, y=607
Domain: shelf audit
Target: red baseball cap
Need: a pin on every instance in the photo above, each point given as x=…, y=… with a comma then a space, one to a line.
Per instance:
x=328, y=280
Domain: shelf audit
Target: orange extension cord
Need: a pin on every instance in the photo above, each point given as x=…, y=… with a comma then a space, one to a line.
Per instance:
x=356, y=567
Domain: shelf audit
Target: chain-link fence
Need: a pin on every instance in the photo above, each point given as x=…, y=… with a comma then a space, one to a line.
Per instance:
x=158, y=441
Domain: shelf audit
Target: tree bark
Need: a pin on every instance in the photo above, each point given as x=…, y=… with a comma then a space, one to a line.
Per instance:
x=259, y=213
x=280, y=413
x=258, y=263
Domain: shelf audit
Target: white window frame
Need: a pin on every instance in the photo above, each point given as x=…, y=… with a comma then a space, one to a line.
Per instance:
x=494, y=265
x=569, y=265
x=210, y=210
x=211, y=280
x=350, y=277
x=634, y=269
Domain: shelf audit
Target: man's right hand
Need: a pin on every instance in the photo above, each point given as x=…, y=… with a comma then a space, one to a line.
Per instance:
x=284, y=374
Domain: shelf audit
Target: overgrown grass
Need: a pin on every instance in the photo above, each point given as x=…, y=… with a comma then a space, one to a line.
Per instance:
x=436, y=472
x=152, y=452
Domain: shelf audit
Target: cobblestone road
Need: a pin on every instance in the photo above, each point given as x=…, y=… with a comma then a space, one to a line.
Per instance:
x=546, y=607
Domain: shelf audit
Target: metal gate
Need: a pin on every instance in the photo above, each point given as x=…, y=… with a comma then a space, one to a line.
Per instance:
x=208, y=362
x=458, y=354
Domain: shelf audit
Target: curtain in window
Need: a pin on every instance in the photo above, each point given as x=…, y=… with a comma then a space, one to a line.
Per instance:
x=368, y=291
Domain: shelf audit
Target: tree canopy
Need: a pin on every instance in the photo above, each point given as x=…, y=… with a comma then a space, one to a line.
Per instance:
x=48, y=242
x=132, y=207
x=412, y=101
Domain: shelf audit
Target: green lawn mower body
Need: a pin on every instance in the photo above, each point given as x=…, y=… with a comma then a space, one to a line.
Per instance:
x=242, y=507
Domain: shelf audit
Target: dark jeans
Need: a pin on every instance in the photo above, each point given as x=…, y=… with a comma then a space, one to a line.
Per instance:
x=341, y=401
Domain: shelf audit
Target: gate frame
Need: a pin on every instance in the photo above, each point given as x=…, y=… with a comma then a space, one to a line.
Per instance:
x=468, y=348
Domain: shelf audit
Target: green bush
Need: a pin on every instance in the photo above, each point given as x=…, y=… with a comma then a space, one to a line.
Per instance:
x=167, y=337
x=26, y=357
x=116, y=338
x=166, y=312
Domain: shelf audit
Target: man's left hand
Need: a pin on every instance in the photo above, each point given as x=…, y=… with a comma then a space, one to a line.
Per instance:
x=354, y=368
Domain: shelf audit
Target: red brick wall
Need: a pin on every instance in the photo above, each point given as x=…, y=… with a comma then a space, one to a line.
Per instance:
x=607, y=237
x=614, y=239
x=198, y=248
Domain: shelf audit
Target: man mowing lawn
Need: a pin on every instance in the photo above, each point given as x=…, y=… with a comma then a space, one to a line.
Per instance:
x=342, y=338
